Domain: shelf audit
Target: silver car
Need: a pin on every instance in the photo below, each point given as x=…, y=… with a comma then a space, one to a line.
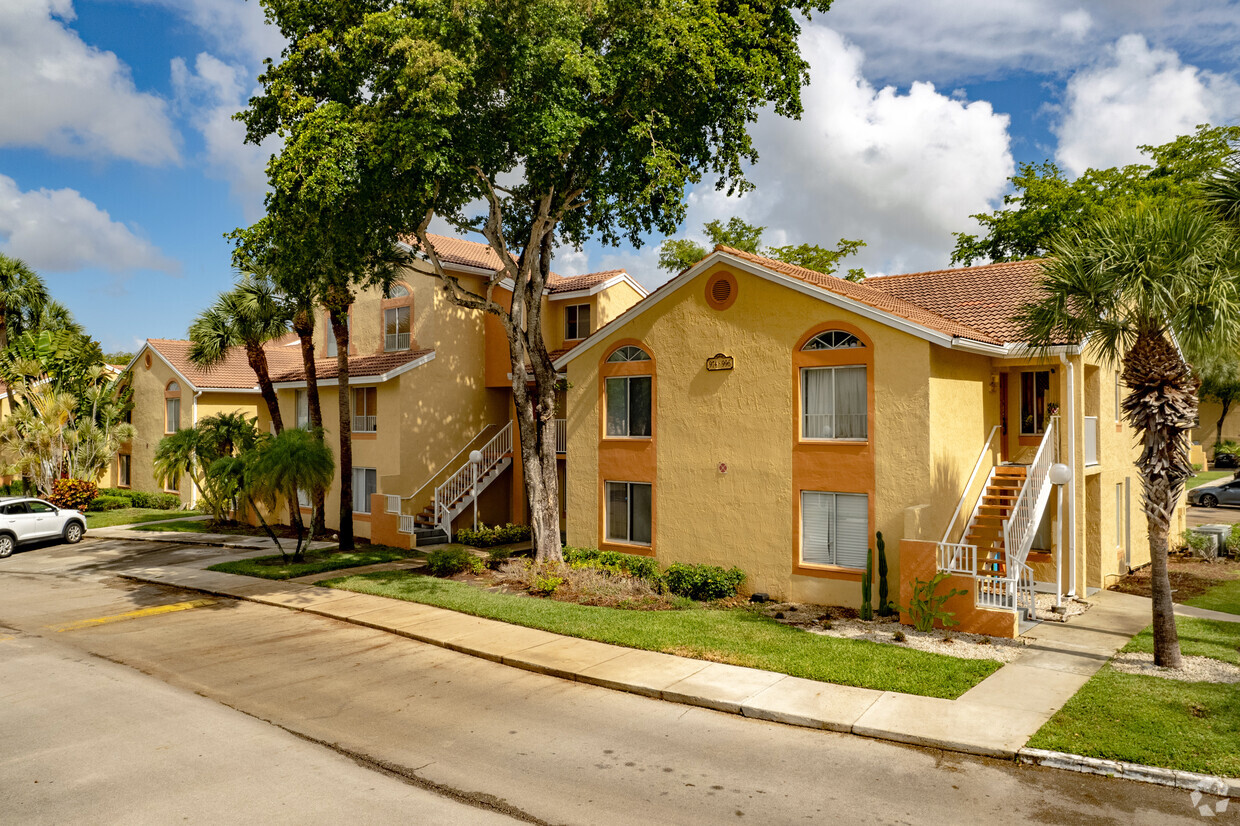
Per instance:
x=24, y=520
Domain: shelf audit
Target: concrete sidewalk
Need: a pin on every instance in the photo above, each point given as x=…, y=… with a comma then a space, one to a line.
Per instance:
x=995, y=718
x=221, y=540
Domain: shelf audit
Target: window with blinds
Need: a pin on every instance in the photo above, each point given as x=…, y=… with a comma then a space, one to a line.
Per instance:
x=835, y=529
x=365, y=484
x=833, y=403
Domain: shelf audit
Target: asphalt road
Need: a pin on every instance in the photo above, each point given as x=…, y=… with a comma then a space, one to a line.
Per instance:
x=495, y=738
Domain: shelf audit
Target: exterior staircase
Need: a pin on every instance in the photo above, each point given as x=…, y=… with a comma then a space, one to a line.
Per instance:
x=458, y=492
x=994, y=507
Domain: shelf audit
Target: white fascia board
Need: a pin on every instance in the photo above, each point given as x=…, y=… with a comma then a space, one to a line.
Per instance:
x=360, y=381
x=622, y=278
x=175, y=371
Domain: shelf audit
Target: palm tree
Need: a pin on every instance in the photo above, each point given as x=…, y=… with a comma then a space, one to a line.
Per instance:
x=186, y=453
x=22, y=296
x=1134, y=284
x=286, y=463
x=249, y=316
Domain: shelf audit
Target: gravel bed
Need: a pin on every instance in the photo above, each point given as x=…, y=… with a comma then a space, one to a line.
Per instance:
x=1195, y=670
x=1072, y=607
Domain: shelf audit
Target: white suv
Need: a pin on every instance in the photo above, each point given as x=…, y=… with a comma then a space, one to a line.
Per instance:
x=23, y=520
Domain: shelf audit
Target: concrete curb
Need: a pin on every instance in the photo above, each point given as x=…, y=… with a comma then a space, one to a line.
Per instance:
x=1192, y=781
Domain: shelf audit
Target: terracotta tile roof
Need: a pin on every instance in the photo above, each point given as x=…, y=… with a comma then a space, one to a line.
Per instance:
x=986, y=297
x=359, y=366
x=233, y=373
x=869, y=295
x=571, y=283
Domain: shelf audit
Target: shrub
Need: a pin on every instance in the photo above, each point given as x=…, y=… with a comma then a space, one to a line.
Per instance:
x=76, y=494
x=703, y=582
x=158, y=501
x=642, y=567
x=1196, y=467
x=486, y=537
x=1233, y=540
x=1198, y=544
x=448, y=561
x=589, y=585
x=927, y=606
x=118, y=493
x=109, y=503
x=546, y=583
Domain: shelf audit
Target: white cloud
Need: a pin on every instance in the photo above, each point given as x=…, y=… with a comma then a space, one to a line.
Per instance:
x=949, y=41
x=69, y=98
x=236, y=28
x=211, y=94
x=1137, y=95
x=899, y=171
x=61, y=231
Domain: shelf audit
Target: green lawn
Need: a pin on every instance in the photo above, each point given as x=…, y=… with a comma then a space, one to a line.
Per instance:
x=736, y=636
x=1156, y=721
x=1207, y=476
x=130, y=516
x=1223, y=597
x=273, y=567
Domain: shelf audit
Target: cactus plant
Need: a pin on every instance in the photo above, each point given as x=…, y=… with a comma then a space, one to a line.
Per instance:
x=885, y=606
x=867, y=610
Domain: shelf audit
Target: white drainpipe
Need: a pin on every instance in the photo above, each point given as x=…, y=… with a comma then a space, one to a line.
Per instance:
x=1071, y=419
x=193, y=422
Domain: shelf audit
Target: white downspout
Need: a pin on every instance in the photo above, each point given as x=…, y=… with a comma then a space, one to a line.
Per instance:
x=1071, y=419
x=193, y=422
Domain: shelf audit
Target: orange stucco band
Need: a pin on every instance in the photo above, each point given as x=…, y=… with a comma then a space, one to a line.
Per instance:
x=919, y=560
x=831, y=465
x=384, y=526
x=627, y=459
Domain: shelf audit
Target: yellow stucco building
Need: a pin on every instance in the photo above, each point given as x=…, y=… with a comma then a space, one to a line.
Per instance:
x=757, y=414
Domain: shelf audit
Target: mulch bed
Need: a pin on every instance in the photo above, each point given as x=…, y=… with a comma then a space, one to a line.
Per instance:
x=1189, y=577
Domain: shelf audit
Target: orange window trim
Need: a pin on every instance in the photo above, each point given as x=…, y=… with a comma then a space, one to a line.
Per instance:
x=628, y=458
x=364, y=435
x=831, y=465
x=392, y=303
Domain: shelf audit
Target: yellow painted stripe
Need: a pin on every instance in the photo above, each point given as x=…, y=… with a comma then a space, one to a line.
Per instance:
x=128, y=615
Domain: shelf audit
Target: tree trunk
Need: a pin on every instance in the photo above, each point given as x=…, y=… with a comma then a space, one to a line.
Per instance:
x=1161, y=406
x=535, y=408
x=339, y=313
x=258, y=363
x=303, y=323
x=1226, y=402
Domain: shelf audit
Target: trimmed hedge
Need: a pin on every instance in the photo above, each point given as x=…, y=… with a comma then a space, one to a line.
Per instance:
x=109, y=503
x=117, y=493
x=448, y=561
x=486, y=537
x=703, y=582
x=158, y=501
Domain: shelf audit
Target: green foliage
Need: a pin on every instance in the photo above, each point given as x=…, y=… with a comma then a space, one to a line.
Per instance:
x=1197, y=544
x=546, y=583
x=485, y=537
x=886, y=607
x=109, y=503
x=867, y=607
x=1233, y=540
x=158, y=501
x=449, y=561
x=642, y=567
x=73, y=494
x=680, y=254
x=1227, y=447
x=1045, y=203
x=703, y=582
x=926, y=607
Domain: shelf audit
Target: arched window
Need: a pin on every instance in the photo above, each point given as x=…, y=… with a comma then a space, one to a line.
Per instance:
x=172, y=407
x=628, y=353
x=833, y=340
x=398, y=291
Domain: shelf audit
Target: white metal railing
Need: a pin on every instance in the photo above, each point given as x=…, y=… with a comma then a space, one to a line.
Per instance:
x=450, y=462
x=981, y=457
x=406, y=524
x=958, y=558
x=395, y=341
x=561, y=435
x=461, y=484
x=1091, y=440
x=1025, y=598
x=1021, y=524
x=365, y=424
x=995, y=592
x=391, y=504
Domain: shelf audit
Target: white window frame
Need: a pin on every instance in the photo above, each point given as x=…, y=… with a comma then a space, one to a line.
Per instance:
x=397, y=341
x=332, y=349
x=303, y=499
x=805, y=414
x=367, y=421
x=124, y=470
x=1020, y=400
x=361, y=500
x=628, y=408
x=628, y=500
x=301, y=408
x=572, y=318
x=833, y=547
x=172, y=423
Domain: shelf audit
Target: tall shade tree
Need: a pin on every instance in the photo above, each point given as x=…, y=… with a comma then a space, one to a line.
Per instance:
x=1133, y=284
x=22, y=297
x=677, y=254
x=567, y=119
x=1220, y=382
x=248, y=316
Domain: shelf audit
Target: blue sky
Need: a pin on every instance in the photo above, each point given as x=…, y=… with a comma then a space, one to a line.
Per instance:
x=120, y=169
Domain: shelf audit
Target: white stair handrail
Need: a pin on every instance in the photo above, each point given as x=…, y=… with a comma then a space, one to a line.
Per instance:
x=458, y=455
x=969, y=484
x=1019, y=527
x=460, y=484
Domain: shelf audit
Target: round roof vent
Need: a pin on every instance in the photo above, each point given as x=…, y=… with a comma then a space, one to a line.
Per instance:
x=721, y=290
